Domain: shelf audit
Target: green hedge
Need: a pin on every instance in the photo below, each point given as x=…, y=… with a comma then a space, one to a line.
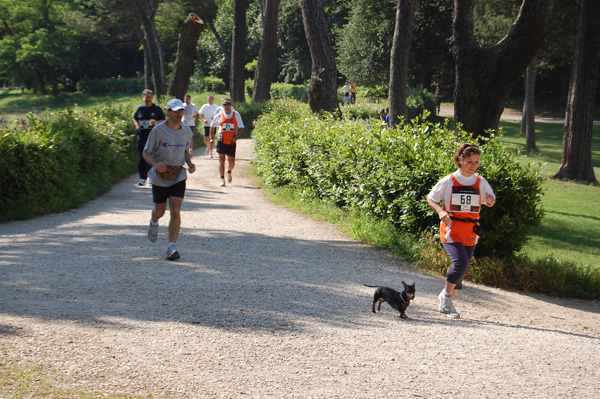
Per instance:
x=55, y=164
x=211, y=84
x=280, y=91
x=389, y=173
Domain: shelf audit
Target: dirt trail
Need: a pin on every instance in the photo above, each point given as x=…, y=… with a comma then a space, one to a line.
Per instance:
x=266, y=302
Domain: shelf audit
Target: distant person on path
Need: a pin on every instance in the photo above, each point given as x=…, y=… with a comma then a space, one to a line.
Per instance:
x=384, y=116
x=346, y=98
x=457, y=199
x=146, y=116
x=189, y=116
x=167, y=150
x=230, y=127
x=352, y=93
x=207, y=112
x=23, y=88
x=346, y=88
x=438, y=98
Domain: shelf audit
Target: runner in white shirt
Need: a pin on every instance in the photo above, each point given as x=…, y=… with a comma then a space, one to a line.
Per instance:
x=207, y=112
x=190, y=113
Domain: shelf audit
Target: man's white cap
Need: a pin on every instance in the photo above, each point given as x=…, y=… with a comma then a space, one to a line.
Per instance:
x=175, y=105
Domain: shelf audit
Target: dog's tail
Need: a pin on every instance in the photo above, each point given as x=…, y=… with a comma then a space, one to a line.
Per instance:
x=372, y=286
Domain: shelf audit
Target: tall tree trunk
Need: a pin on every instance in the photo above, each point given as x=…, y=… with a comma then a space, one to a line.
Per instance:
x=238, y=52
x=189, y=33
x=486, y=76
x=53, y=80
x=579, y=119
x=40, y=84
x=147, y=70
x=399, y=60
x=528, y=117
x=146, y=11
x=266, y=56
x=322, y=90
x=147, y=67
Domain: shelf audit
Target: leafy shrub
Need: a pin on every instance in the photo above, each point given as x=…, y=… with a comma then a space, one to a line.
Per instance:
x=419, y=101
x=207, y=84
x=361, y=111
x=285, y=90
x=281, y=91
x=380, y=91
x=55, y=164
x=388, y=174
x=107, y=86
x=249, y=112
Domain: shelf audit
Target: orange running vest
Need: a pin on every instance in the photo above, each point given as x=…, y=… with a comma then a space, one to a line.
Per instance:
x=465, y=203
x=228, y=127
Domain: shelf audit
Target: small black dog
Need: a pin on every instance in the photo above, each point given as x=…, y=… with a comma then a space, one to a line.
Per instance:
x=397, y=300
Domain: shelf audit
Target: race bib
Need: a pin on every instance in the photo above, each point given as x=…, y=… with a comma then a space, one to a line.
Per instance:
x=465, y=199
x=145, y=124
x=228, y=127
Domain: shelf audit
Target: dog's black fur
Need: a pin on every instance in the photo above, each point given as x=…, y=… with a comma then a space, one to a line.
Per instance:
x=397, y=300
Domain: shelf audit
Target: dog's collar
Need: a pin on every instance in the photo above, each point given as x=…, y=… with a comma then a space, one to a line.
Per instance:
x=402, y=297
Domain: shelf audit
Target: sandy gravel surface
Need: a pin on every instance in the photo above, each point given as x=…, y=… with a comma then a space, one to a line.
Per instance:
x=266, y=303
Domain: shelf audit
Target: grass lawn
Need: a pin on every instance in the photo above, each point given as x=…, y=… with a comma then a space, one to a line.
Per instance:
x=570, y=229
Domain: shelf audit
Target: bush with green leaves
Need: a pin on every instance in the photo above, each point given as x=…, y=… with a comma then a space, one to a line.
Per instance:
x=379, y=91
x=55, y=164
x=281, y=91
x=249, y=112
x=389, y=173
x=211, y=84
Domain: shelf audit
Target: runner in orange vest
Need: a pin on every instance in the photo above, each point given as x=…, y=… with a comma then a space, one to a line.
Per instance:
x=457, y=199
x=231, y=126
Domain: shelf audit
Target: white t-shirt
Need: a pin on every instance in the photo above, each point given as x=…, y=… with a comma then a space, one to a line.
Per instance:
x=442, y=191
x=189, y=114
x=207, y=112
x=217, y=119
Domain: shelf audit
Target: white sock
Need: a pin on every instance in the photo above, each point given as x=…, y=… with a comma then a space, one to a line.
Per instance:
x=153, y=222
x=446, y=293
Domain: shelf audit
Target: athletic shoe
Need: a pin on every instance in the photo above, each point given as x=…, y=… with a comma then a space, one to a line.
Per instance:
x=153, y=232
x=207, y=151
x=229, y=178
x=210, y=155
x=172, y=252
x=222, y=182
x=447, y=307
x=142, y=182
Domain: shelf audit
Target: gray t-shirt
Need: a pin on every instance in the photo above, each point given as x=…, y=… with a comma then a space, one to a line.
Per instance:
x=168, y=145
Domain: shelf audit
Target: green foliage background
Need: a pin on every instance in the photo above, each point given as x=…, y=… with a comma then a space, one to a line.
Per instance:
x=388, y=173
x=55, y=164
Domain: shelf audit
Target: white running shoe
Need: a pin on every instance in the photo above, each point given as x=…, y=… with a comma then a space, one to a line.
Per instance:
x=153, y=232
x=172, y=252
x=447, y=307
x=229, y=177
x=222, y=182
x=142, y=182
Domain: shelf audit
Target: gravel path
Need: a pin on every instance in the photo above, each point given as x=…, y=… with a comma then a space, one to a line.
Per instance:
x=266, y=302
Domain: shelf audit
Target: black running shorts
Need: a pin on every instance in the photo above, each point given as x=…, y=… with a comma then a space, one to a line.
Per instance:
x=161, y=194
x=227, y=149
